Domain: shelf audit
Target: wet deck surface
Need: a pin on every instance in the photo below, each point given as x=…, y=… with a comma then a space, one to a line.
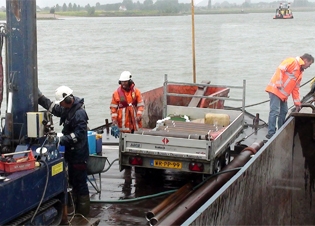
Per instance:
x=127, y=185
x=117, y=187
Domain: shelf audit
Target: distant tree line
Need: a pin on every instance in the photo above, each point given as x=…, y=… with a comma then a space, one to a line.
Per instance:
x=294, y=3
x=162, y=6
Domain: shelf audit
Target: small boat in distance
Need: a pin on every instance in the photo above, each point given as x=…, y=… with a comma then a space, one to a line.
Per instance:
x=283, y=12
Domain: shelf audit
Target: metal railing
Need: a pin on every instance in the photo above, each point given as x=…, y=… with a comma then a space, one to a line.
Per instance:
x=217, y=98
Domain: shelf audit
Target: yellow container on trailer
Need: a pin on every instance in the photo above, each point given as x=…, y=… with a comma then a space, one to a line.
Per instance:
x=217, y=119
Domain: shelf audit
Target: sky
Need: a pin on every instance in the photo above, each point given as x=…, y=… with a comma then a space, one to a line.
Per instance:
x=44, y=3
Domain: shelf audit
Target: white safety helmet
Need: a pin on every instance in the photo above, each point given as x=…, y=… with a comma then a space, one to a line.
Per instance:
x=125, y=76
x=61, y=93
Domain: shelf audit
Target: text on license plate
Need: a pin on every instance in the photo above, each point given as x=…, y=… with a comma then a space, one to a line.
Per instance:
x=166, y=164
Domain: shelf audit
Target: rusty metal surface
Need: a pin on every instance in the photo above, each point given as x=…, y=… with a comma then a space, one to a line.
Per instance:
x=178, y=134
x=153, y=100
x=191, y=127
x=164, y=208
x=274, y=188
x=203, y=193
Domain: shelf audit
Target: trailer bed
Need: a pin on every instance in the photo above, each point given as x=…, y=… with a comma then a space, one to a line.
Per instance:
x=178, y=145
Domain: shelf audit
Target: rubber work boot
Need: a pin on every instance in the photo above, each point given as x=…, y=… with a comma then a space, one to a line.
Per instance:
x=83, y=205
x=72, y=199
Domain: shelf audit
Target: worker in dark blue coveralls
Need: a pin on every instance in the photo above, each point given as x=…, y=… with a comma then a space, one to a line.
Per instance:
x=74, y=119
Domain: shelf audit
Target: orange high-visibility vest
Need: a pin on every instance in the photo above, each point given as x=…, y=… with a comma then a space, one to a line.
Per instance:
x=125, y=114
x=123, y=101
x=286, y=80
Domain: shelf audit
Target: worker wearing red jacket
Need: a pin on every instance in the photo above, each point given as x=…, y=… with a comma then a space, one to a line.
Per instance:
x=127, y=105
x=285, y=82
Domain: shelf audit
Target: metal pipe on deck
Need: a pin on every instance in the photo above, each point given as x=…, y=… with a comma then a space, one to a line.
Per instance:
x=176, y=134
x=190, y=130
x=192, y=125
x=160, y=210
x=188, y=124
x=203, y=193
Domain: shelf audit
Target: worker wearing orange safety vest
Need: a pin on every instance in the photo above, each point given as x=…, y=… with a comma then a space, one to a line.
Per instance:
x=127, y=105
x=285, y=82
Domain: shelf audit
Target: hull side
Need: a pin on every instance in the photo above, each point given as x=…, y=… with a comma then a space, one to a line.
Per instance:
x=274, y=188
x=284, y=17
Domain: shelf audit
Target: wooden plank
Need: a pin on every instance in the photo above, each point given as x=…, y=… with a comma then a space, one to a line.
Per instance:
x=200, y=92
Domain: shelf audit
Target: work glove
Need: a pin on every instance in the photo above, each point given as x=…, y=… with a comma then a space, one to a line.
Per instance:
x=138, y=118
x=114, y=131
x=297, y=108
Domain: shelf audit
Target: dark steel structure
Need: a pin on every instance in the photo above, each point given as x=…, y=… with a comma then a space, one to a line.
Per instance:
x=21, y=60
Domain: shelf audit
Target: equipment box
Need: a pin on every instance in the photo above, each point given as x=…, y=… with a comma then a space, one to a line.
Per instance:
x=19, y=164
x=92, y=142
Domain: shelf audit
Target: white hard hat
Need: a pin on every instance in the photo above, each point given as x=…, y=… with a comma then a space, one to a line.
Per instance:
x=61, y=93
x=125, y=76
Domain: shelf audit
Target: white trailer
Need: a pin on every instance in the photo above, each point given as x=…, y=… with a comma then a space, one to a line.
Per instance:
x=193, y=146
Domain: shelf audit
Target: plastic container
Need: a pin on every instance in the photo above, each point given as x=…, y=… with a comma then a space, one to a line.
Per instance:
x=61, y=149
x=92, y=142
x=98, y=143
x=217, y=119
x=11, y=167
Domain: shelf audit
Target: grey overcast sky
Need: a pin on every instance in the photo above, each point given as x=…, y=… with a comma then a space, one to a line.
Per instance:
x=44, y=3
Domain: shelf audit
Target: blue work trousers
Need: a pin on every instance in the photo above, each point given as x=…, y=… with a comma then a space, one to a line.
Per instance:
x=77, y=178
x=278, y=110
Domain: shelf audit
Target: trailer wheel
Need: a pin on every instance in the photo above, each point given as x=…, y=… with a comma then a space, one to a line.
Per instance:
x=217, y=165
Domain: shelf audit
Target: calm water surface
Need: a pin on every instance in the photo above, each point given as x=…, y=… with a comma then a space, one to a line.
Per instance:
x=88, y=54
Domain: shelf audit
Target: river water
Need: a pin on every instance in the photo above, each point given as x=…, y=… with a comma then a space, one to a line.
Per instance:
x=88, y=54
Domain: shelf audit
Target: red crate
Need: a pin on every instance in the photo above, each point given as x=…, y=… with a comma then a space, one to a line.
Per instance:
x=11, y=167
x=1, y=166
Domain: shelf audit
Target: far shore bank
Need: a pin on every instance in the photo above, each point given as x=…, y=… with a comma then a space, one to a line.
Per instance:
x=196, y=12
x=60, y=15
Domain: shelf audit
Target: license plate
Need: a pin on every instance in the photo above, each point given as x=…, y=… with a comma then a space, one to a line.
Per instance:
x=166, y=164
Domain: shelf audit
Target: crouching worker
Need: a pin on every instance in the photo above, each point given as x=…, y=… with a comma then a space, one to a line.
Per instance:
x=74, y=119
x=126, y=106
